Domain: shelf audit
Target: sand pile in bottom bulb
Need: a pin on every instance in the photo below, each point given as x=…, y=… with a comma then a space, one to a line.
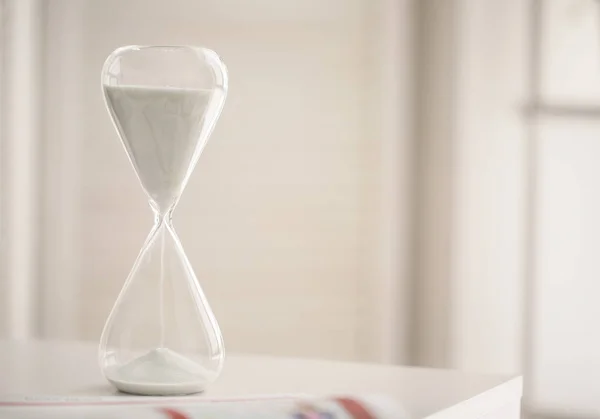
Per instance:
x=160, y=365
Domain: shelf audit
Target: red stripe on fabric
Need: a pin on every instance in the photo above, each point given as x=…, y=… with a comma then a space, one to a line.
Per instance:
x=355, y=408
x=174, y=414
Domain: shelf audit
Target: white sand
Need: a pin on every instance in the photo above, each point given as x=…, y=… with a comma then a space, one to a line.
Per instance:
x=160, y=372
x=161, y=129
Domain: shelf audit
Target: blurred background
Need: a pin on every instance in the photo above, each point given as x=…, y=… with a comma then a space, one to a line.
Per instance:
x=398, y=181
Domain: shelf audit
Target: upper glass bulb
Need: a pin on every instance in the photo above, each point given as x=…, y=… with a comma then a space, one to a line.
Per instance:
x=161, y=337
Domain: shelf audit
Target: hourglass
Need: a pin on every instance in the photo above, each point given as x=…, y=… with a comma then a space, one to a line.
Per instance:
x=161, y=337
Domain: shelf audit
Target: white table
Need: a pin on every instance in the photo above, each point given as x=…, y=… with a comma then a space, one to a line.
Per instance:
x=71, y=369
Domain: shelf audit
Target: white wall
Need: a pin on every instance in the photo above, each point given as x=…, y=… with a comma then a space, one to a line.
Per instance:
x=339, y=166
x=20, y=132
x=499, y=284
x=284, y=209
x=489, y=207
x=565, y=366
x=386, y=288
x=565, y=362
x=3, y=276
x=470, y=205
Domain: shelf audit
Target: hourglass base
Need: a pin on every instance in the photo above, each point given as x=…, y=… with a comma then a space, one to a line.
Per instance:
x=160, y=372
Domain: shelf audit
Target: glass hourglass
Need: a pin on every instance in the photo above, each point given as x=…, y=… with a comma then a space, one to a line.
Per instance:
x=161, y=337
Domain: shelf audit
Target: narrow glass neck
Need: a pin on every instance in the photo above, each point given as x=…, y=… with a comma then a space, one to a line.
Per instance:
x=162, y=216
